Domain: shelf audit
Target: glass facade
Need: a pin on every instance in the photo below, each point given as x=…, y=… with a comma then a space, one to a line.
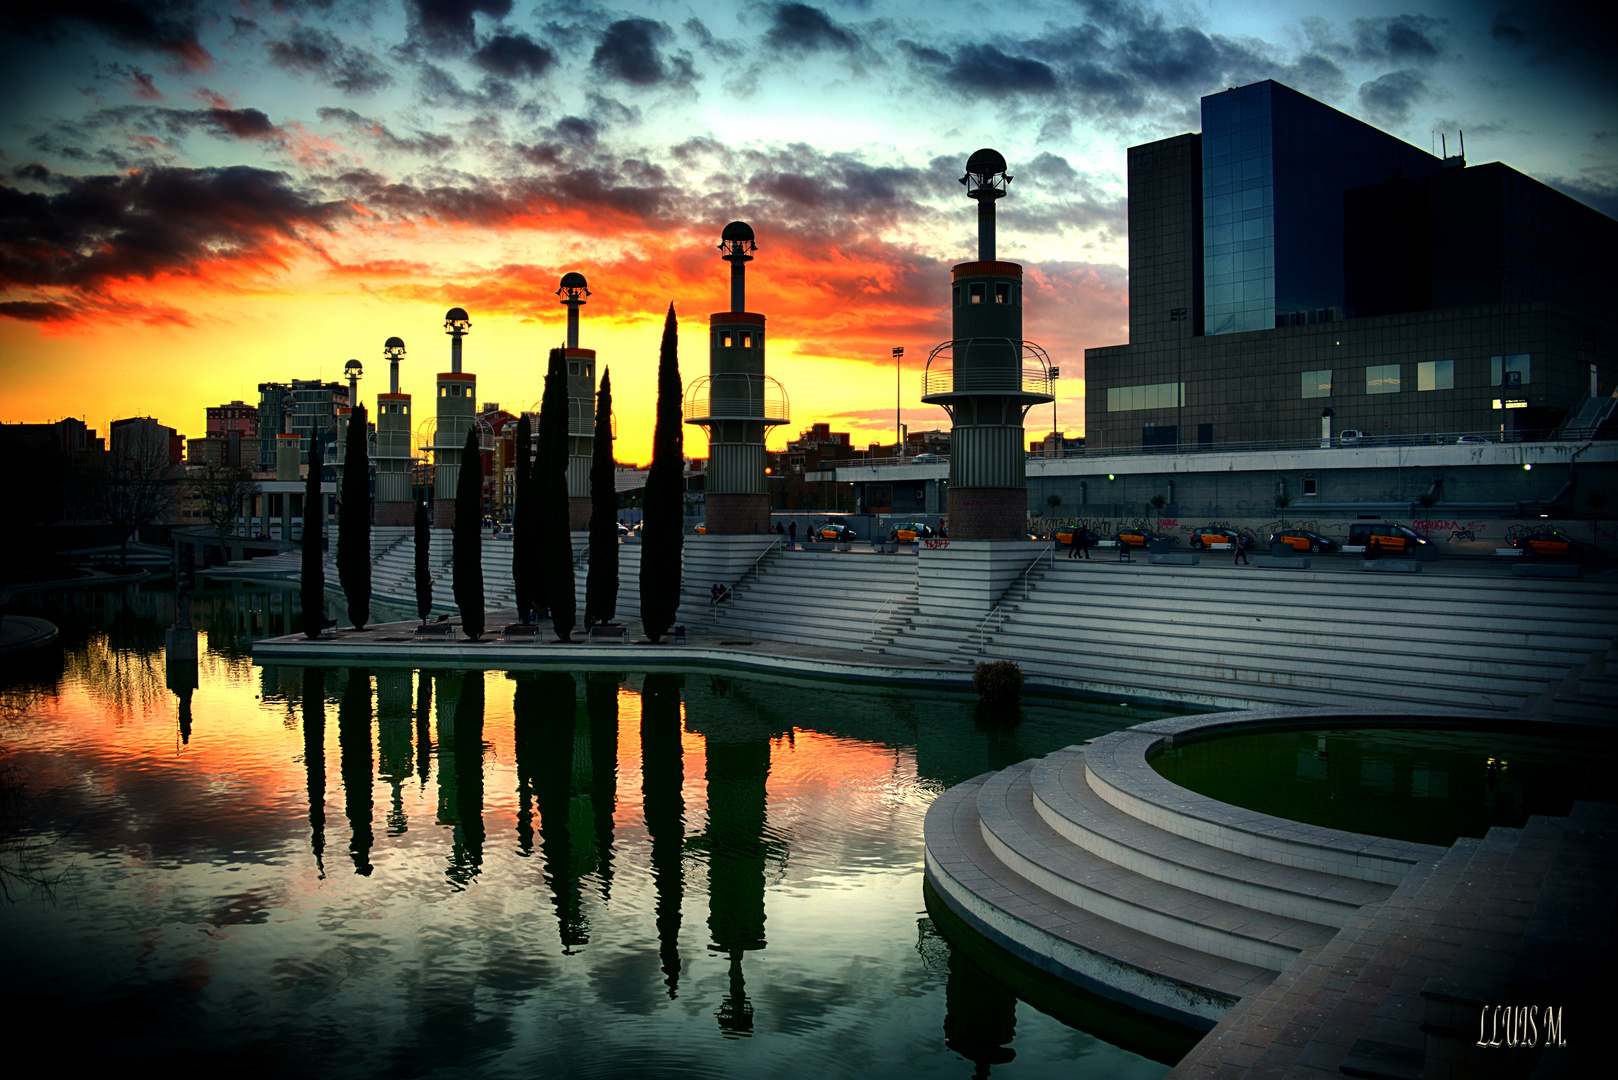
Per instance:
x=1382, y=379
x=1317, y=383
x=1435, y=375
x=1501, y=370
x=1275, y=165
x=1152, y=396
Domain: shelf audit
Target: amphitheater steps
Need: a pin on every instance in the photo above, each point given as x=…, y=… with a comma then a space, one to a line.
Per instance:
x=1040, y=861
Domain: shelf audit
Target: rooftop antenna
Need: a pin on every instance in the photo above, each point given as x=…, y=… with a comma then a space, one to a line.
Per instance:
x=1443, y=142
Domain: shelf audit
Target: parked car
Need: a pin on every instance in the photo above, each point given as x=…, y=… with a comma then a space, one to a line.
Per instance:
x=701, y=529
x=1138, y=538
x=1304, y=540
x=1398, y=539
x=908, y=532
x=1064, y=537
x=1350, y=436
x=1549, y=542
x=928, y=459
x=1208, y=537
x=834, y=530
x=1473, y=439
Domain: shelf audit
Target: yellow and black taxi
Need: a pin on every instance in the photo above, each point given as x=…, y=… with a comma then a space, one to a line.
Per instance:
x=1218, y=536
x=834, y=529
x=1386, y=538
x=908, y=532
x=1549, y=542
x=1138, y=537
x=1304, y=540
x=702, y=528
x=1064, y=536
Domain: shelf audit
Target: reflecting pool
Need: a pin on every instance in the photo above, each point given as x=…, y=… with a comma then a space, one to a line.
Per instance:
x=1424, y=786
x=397, y=871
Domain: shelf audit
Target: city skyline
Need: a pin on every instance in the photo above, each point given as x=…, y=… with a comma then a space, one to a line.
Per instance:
x=197, y=198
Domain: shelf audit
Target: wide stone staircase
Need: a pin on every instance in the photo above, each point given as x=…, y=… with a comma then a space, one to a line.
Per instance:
x=820, y=597
x=1339, y=638
x=1178, y=907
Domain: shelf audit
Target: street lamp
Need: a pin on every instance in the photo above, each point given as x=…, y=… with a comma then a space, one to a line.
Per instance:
x=898, y=398
x=1178, y=315
x=1056, y=432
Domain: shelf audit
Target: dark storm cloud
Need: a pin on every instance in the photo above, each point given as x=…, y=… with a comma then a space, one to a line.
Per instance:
x=801, y=28
x=100, y=229
x=1402, y=39
x=167, y=26
x=985, y=69
x=1390, y=97
x=243, y=123
x=630, y=51
x=322, y=53
x=42, y=311
x=451, y=21
x=514, y=56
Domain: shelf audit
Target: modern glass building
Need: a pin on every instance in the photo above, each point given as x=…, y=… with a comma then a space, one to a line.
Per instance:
x=1273, y=222
x=1295, y=273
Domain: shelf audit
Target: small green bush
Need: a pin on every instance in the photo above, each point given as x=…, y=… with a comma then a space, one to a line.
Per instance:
x=998, y=683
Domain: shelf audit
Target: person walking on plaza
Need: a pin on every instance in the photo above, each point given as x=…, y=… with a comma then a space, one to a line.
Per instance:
x=792, y=536
x=1241, y=550
x=1073, y=542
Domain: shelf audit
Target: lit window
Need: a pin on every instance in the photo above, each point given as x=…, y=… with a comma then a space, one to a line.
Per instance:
x=1435, y=375
x=724, y=341
x=1382, y=379
x=975, y=293
x=1317, y=383
x=747, y=341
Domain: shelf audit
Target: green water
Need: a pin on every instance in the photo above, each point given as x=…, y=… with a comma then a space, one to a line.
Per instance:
x=399, y=872
x=1429, y=787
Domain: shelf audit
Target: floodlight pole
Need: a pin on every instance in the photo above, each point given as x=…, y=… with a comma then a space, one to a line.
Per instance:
x=898, y=399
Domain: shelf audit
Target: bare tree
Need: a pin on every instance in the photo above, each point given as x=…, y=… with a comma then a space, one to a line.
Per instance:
x=221, y=490
x=138, y=486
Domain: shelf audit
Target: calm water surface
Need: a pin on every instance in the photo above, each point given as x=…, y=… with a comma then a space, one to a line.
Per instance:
x=405, y=872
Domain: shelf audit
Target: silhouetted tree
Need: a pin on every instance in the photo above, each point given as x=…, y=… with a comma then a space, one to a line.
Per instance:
x=313, y=578
x=467, y=552
x=354, y=748
x=314, y=759
x=665, y=483
x=354, y=522
x=221, y=490
x=424, y=575
x=601, y=586
x=523, y=524
x=138, y=485
x=550, y=479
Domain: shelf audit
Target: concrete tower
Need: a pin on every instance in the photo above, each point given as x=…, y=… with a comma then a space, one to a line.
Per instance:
x=736, y=403
x=987, y=377
x=457, y=412
x=393, y=504
x=581, y=404
x=352, y=371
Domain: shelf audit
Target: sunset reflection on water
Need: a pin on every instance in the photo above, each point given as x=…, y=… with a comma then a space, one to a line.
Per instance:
x=400, y=871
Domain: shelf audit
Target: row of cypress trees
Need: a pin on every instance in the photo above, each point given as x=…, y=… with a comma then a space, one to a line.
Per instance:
x=542, y=550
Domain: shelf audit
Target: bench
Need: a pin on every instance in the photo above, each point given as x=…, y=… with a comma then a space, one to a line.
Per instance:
x=437, y=630
x=522, y=632
x=608, y=633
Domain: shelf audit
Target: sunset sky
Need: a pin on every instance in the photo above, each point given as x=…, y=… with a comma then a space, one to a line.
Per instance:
x=198, y=197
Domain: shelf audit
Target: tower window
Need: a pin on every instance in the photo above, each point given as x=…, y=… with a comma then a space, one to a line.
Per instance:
x=747, y=341
x=975, y=294
x=957, y=292
x=1002, y=293
x=724, y=341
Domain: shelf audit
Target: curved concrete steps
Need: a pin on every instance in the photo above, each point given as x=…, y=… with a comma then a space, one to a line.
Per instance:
x=1091, y=866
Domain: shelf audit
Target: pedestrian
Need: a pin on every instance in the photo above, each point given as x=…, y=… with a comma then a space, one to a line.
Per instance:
x=792, y=536
x=1241, y=550
x=1084, y=542
x=1074, y=540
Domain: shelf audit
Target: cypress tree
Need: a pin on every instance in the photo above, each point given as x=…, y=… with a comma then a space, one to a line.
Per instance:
x=522, y=524
x=313, y=578
x=665, y=483
x=601, y=586
x=354, y=516
x=468, y=540
x=424, y=576
x=556, y=543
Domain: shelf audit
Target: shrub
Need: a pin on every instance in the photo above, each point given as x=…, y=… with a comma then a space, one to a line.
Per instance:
x=998, y=683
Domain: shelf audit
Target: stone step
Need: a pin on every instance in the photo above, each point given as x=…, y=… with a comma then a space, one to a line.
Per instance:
x=1022, y=841
x=1063, y=798
x=1119, y=962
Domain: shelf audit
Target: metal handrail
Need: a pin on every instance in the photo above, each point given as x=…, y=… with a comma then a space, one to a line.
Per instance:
x=877, y=617
x=982, y=633
x=1025, y=581
x=1033, y=374
x=775, y=542
x=762, y=398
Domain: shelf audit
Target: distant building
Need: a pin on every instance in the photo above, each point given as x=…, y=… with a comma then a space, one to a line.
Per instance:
x=1295, y=273
x=304, y=407
x=136, y=436
x=237, y=416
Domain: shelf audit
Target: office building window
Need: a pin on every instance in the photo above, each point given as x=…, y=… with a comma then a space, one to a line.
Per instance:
x=1501, y=370
x=1317, y=383
x=1151, y=396
x=1382, y=379
x=1435, y=375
